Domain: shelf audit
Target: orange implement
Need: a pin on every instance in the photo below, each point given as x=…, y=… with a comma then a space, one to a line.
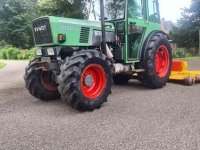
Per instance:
x=180, y=72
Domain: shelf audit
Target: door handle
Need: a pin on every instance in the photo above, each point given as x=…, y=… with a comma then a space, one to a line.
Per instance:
x=133, y=23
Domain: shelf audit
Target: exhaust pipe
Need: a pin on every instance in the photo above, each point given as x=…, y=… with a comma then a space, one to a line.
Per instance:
x=108, y=52
x=120, y=68
x=103, y=44
x=103, y=25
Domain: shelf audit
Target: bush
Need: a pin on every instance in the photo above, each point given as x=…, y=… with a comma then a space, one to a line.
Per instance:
x=29, y=54
x=25, y=55
x=188, y=54
x=15, y=53
x=179, y=52
x=3, y=54
x=11, y=53
x=20, y=57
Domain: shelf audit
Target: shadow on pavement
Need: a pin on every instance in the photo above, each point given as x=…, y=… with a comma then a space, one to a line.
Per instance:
x=133, y=84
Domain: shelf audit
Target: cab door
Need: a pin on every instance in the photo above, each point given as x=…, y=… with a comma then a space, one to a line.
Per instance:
x=137, y=24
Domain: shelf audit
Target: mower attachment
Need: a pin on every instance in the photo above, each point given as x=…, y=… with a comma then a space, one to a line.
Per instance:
x=180, y=72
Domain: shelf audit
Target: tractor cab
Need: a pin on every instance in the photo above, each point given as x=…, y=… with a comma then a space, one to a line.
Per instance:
x=133, y=21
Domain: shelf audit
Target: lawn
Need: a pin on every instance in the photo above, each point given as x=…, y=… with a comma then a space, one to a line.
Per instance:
x=187, y=58
x=2, y=65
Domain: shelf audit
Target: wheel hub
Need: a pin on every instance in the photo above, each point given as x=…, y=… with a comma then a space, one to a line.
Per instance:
x=162, y=61
x=88, y=81
x=93, y=81
x=45, y=80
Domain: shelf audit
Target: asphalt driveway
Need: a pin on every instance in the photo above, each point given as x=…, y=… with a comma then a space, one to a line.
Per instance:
x=134, y=118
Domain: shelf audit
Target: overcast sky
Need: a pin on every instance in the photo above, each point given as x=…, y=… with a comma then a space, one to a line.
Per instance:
x=171, y=9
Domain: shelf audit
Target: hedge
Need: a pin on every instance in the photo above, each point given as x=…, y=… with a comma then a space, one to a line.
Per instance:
x=15, y=54
x=183, y=52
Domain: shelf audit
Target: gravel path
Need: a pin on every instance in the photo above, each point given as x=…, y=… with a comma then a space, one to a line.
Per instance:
x=134, y=118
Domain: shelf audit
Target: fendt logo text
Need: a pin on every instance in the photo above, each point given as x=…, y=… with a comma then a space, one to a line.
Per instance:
x=42, y=28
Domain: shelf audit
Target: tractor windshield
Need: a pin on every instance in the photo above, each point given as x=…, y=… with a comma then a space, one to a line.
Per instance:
x=114, y=10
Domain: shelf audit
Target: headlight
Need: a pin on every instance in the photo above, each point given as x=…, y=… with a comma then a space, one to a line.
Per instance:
x=50, y=51
x=38, y=52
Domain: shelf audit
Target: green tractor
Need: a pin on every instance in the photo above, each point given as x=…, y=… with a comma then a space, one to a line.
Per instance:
x=78, y=60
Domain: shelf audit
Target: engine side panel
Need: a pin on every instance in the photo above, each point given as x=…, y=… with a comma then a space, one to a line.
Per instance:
x=78, y=32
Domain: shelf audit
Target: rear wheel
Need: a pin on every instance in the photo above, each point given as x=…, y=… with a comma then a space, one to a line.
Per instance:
x=85, y=80
x=40, y=83
x=157, y=62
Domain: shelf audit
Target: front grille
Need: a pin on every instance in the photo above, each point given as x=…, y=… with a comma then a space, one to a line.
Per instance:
x=42, y=31
x=84, y=36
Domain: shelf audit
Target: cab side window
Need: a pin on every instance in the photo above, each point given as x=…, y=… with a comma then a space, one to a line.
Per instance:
x=153, y=11
x=135, y=9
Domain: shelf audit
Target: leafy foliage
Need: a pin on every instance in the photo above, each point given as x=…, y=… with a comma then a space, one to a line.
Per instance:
x=179, y=53
x=184, y=52
x=15, y=22
x=28, y=54
x=64, y=8
x=186, y=32
x=3, y=54
x=16, y=54
x=16, y=17
x=4, y=45
x=11, y=53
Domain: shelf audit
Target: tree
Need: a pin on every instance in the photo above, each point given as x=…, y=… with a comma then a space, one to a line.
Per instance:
x=15, y=22
x=64, y=8
x=186, y=32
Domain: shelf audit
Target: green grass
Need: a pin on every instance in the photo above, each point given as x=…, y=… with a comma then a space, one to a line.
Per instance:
x=2, y=65
x=188, y=58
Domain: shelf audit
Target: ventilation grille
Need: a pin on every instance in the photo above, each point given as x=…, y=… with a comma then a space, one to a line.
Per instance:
x=42, y=31
x=84, y=37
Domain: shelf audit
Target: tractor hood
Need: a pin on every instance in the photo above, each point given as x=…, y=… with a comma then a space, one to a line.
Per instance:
x=77, y=32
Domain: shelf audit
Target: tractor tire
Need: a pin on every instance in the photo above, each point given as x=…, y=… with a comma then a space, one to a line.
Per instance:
x=157, y=62
x=121, y=79
x=38, y=83
x=85, y=80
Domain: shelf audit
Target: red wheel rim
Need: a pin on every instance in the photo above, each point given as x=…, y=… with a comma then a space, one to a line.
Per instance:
x=46, y=84
x=162, y=61
x=97, y=81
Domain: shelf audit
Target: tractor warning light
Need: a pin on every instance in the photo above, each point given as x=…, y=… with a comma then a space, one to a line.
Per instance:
x=61, y=37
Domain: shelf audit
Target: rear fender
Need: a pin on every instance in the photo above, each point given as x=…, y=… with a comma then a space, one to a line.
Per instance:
x=146, y=41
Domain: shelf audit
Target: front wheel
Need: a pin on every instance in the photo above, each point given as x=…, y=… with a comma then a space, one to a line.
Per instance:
x=157, y=62
x=39, y=83
x=85, y=80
